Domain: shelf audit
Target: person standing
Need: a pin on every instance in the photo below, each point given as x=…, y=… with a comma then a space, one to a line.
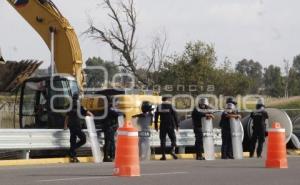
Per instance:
x=198, y=113
x=230, y=112
x=110, y=128
x=72, y=121
x=260, y=118
x=168, y=123
x=143, y=122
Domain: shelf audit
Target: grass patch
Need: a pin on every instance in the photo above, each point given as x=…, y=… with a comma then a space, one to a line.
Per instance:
x=290, y=105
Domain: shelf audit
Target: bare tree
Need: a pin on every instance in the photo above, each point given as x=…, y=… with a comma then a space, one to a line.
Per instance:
x=121, y=36
x=156, y=58
x=287, y=68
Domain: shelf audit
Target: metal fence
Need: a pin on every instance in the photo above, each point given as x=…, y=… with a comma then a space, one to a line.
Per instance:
x=37, y=139
x=45, y=139
x=57, y=139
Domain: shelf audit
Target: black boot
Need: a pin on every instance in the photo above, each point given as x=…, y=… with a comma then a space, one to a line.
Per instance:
x=163, y=152
x=163, y=158
x=251, y=154
x=223, y=155
x=74, y=160
x=106, y=159
x=173, y=153
x=259, y=154
x=199, y=156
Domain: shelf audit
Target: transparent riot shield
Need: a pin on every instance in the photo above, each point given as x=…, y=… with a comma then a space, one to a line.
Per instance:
x=237, y=138
x=143, y=122
x=208, y=138
x=93, y=139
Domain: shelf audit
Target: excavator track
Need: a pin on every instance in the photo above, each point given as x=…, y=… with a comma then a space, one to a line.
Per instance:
x=13, y=74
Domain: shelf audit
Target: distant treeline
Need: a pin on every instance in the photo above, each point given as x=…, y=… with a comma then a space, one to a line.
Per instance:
x=197, y=69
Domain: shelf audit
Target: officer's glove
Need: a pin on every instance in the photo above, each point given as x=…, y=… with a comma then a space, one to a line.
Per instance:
x=236, y=116
x=210, y=116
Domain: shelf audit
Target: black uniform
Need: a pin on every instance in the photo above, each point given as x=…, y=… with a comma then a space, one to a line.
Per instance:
x=110, y=127
x=197, y=124
x=168, y=122
x=226, y=149
x=259, y=129
x=75, y=130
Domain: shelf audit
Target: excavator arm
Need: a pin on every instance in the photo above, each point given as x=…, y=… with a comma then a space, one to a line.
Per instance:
x=45, y=18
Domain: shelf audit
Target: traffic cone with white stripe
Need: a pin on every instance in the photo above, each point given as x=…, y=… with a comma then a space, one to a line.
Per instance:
x=276, y=151
x=127, y=163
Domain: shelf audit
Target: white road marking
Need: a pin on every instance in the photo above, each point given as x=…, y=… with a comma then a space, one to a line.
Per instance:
x=49, y=166
x=88, y=178
x=72, y=179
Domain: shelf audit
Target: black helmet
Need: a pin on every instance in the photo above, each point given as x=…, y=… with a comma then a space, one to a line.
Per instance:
x=146, y=107
x=260, y=103
x=259, y=106
x=166, y=97
x=231, y=100
x=203, y=101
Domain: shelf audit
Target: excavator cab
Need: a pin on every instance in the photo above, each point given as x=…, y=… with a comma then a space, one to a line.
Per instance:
x=44, y=101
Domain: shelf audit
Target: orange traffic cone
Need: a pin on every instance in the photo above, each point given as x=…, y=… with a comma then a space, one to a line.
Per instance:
x=127, y=163
x=276, y=151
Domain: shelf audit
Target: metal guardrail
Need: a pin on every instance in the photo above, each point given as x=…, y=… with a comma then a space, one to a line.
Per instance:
x=37, y=139
x=47, y=139
x=41, y=139
x=184, y=138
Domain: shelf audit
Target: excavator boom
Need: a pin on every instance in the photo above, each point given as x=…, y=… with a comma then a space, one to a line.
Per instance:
x=45, y=18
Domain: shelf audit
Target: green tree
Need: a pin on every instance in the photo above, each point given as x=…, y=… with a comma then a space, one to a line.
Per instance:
x=294, y=77
x=229, y=82
x=96, y=77
x=197, y=66
x=294, y=83
x=194, y=67
x=296, y=63
x=252, y=70
x=274, y=84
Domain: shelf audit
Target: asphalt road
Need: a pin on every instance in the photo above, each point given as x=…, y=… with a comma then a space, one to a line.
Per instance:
x=180, y=172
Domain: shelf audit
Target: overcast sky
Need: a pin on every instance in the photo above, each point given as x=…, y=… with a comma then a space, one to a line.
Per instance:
x=263, y=30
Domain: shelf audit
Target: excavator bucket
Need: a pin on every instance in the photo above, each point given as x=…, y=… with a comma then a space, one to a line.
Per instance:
x=13, y=74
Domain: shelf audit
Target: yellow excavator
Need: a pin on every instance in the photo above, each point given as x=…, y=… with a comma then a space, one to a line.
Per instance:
x=42, y=99
x=57, y=33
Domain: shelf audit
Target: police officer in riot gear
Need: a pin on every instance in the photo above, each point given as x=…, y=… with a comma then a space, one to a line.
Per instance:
x=146, y=107
x=231, y=111
x=231, y=100
x=143, y=122
x=198, y=113
x=260, y=118
x=168, y=124
x=110, y=126
x=72, y=121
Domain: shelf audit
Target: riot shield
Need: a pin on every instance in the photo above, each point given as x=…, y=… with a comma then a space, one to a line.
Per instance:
x=208, y=138
x=237, y=138
x=143, y=122
x=93, y=139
